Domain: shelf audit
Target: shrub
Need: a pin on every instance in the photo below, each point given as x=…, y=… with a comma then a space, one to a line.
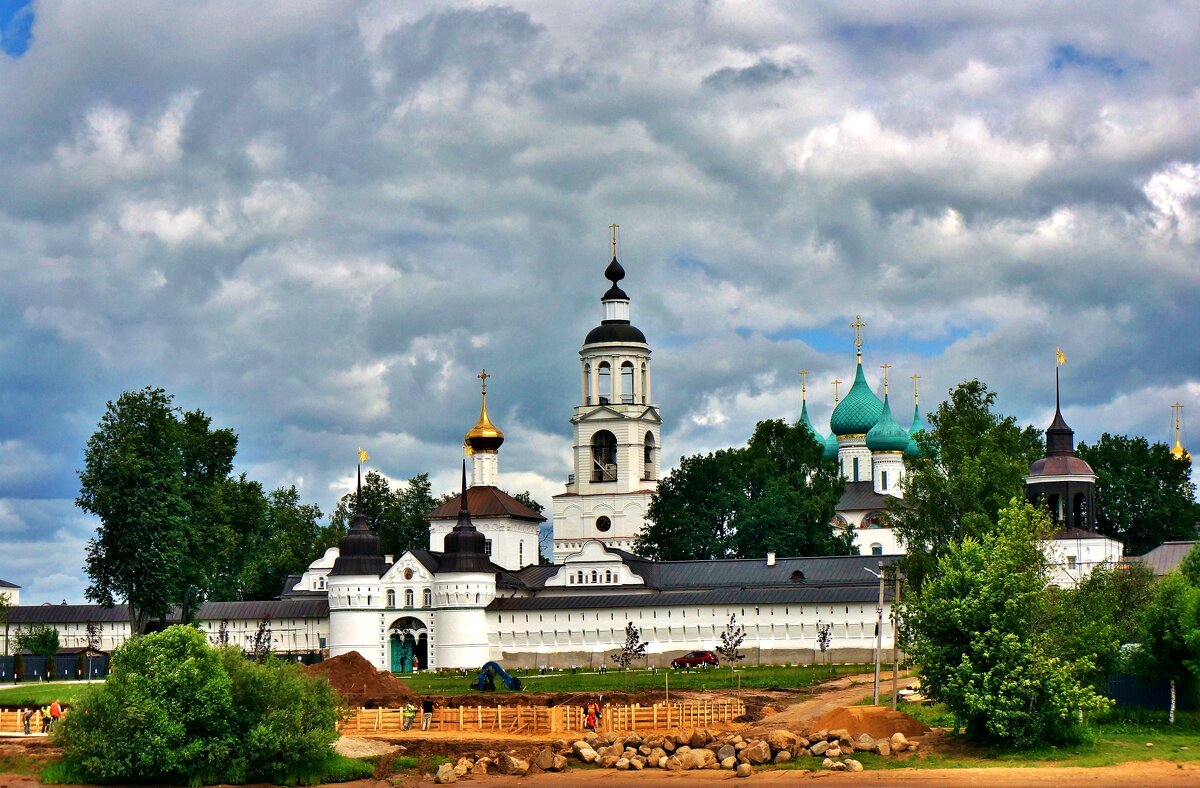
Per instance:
x=175, y=709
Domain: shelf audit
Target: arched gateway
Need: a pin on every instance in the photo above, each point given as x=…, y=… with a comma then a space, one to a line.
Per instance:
x=408, y=638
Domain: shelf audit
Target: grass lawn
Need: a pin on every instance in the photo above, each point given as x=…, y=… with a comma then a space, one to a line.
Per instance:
x=39, y=694
x=717, y=679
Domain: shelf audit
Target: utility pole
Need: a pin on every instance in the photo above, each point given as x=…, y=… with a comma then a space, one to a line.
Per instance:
x=878, y=632
x=895, y=648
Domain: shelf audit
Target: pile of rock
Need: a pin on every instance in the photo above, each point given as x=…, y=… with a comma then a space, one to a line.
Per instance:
x=831, y=746
x=697, y=749
x=547, y=759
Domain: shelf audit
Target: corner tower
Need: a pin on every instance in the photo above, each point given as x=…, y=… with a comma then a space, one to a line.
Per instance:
x=617, y=429
x=1062, y=482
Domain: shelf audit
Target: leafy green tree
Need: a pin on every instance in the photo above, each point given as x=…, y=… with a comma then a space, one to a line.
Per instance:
x=397, y=516
x=975, y=460
x=1189, y=567
x=133, y=481
x=288, y=544
x=526, y=499
x=775, y=494
x=38, y=639
x=1144, y=496
x=975, y=631
x=1169, y=636
x=177, y=710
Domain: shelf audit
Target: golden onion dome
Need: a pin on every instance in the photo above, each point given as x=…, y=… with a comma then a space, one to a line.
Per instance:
x=484, y=436
x=1180, y=453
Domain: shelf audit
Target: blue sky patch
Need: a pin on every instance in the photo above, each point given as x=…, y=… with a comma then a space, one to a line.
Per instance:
x=1066, y=56
x=16, y=26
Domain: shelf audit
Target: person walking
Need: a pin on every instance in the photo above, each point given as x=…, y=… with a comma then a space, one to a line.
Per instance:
x=45, y=719
x=410, y=711
x=55, y=713
x=426, y=713
x=590, y=723
x=26, y=717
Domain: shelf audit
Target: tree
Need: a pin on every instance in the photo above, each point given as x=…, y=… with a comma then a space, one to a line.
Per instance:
x=526, y=499
x=39, y=639
x=975, y=631
x=176, y=710
x=1189, y=567
x=396, y=516
x=94, y=641
x=133, y=481
x=974, y=462
x=775, y=494
x=1144, y=496
x=288, y=542
x=260, y=641
x=824, y=639
x=731, y=642
x=634, y=647
x=1169, y=635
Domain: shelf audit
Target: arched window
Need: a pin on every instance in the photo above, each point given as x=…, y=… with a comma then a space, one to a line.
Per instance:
x=391, y=597
x=603, y=524
x=874, y=520
x=581, y=577
x=645, y=384
x=648, y=456
x=604, y=457
x=604, y=373
x=607, y=576
x=883, y=480
x=427, y=597
x=408, y=597
x=321, y=583
x=855, y=477
x=876, y=548
x=627, y=383
x=595, y=576
x=587, y=384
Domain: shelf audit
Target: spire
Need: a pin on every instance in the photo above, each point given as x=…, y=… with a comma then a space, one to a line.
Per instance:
x=885, y=368
x=464, y=514
x=614, y=273
x=484, y=436
x=835, y=383
x=358, y=549
x=1177, y=451
x=465, y=547
x=1060, y=439
x=916, y=394
x=804, y=407
x=858, y=325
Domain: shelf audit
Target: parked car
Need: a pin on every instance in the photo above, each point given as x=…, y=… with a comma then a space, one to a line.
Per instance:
x=692, y=659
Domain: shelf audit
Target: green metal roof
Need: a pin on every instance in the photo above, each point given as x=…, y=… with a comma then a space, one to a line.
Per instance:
x=913, y=450
x=859, y=411
x=887, y=435
x=807, y=423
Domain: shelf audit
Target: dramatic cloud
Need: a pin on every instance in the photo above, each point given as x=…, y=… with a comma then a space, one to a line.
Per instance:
x=316, y=222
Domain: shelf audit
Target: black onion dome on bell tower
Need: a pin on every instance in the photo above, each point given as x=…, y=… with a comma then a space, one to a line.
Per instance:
x=465, y=547
x=616, y=326
x=358, y=550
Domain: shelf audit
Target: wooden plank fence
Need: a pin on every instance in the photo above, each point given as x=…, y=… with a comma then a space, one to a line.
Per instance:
x=552, y=719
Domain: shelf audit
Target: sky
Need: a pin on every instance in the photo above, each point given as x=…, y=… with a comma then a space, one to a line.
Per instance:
x=318, y=221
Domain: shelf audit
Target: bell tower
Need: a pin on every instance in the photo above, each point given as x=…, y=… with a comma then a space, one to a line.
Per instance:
x=616, y=431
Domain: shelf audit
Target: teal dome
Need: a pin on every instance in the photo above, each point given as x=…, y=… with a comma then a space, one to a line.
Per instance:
x=887, y=435
x=913, y=450
x=807, y=423
x=831, y=448
x=859, y=411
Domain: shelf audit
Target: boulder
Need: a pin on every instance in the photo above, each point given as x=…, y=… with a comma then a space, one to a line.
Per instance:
x=560, y=764
x=783, y=756
x=668, y=744
x=757, y=753
x=607, y=761
x=820, y=735
x=561, y=746
x=853, y=765
x=834, y=752
x=899, y=742
x=782, y=740
x=837, y=766
x=655, y=741
x=865, y=741
x=645, y=750
x=622, y=764
x=744, y=770
x=584, y=752
x=699, y=738
x=633, y=740
x=698, y=759
x=839, y=734
x=682, y=751
x=511, y=764
x=827, y=763
x=913, y=746
x=480, y=769
x=741, y=744
x=637, y=764
x=883, y=747
x=727, y=751
x=729, y=763
x=592, y=739
x=445, y=774
x=819, y=747
x=463, y=767
x=544, y=759
x=661, y=762
x=673, y=764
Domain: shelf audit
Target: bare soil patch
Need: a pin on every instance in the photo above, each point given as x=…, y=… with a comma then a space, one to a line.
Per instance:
x=357, y=680
x=879, y=721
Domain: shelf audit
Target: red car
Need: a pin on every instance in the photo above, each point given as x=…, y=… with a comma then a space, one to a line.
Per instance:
x=696, y=658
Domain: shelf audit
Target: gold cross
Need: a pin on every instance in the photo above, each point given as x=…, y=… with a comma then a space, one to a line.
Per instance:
x=1176, y=407
x=836, y=383
x=885, y=368
x=484, y=377
x=915, y=378
x=803, y=382
x=858, y=325
x=614, y=227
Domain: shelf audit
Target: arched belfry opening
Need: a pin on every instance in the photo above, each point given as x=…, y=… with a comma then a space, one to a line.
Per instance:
x=604, y=457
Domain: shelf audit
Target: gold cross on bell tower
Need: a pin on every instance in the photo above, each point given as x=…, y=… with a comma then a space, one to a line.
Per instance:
x=915, y=378
x=803, y=383
x=614, y=227
x=484, y=377
x=885, y=368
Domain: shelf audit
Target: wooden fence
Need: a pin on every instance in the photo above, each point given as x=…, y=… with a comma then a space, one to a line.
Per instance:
x=552, y=719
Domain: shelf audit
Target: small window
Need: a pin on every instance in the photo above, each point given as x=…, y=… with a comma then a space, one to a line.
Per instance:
x=604, y=376
x=391, y=597
x=1070, y=562
x=427, y=597
x=883, y=479
x=855, y=465
x=603, y=524
x=487, y=547
x=876, y=548
x=408, y=597
x=627, y=383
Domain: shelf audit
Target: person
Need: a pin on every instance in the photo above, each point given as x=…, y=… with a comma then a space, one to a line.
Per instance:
x=590, y=724
x=596, y=708
x=55, y=712
x=426, y=713
x=45, y=719
x=416, y=665
x=410, y=711
x=26, y=718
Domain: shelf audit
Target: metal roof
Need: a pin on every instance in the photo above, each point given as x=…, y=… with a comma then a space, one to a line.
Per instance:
x=860, y=495
x=6, y=584
x=485, y=502
x=1166, y=557
x=275, y=608
x=721, y=596
x=72, y=614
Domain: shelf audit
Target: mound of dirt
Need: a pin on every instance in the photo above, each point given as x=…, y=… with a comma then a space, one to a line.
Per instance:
x=875, y=720
x=357, y=680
